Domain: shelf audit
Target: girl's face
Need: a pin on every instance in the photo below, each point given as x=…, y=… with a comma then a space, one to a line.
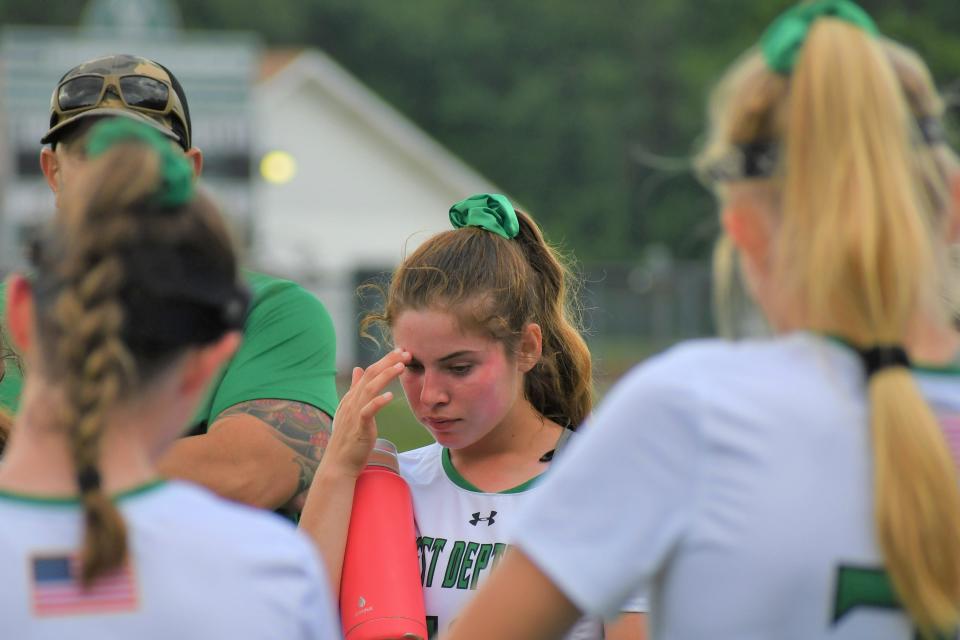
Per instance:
x=460, y=385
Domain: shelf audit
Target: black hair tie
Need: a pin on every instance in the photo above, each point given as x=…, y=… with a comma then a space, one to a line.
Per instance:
x=89, y=479
x=931, y=130
x=233, y=313
x=883, y=356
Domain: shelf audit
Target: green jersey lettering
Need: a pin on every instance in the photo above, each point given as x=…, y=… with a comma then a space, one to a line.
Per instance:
x=423, y=543
x=453, y=565
x=867, y=587
x=435, y=550
x=498, y=550
x=483, y=559
x=464, y=581
x=862, y=587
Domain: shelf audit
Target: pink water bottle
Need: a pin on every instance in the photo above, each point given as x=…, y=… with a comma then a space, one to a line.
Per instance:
x=380, y=593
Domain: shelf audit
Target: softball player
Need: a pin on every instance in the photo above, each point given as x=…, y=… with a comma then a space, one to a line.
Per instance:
x=800, y=486
x=493, y=366
x=133, y=305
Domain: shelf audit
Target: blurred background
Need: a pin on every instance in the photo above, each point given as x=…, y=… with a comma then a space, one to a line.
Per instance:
x=337, y=133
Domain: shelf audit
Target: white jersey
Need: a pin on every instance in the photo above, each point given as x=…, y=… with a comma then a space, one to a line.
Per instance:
x=733, y=480
x=199, y=568
x=462, y=536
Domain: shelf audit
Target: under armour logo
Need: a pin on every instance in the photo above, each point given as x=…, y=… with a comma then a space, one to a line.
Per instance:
x=477, y=519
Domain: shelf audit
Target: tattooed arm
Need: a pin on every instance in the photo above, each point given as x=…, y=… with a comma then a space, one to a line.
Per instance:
x=7, y=364
x=261, y=452
x=6, y=422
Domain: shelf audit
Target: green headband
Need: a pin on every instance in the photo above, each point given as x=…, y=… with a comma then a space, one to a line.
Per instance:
x=489, y=211
x=176, y=174
x=782, y=41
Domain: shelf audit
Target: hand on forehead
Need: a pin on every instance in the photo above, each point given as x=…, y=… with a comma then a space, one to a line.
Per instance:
x=432, y=335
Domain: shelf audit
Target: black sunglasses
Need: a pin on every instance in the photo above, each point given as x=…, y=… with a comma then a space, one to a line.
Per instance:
x=139, y=92
x=754, y=160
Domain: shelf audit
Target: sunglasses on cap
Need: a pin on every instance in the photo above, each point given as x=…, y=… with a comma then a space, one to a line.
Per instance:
x=149, y=95
x=139, y=92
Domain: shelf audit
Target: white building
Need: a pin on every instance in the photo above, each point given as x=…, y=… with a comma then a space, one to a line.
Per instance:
x=217, y=70
x=352, y=183
x=356, y=183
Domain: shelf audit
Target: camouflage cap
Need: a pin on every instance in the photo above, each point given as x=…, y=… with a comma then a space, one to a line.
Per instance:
x=175, y=124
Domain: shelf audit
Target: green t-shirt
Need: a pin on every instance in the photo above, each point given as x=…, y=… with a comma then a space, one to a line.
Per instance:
x=288, y=353
x=12, y=376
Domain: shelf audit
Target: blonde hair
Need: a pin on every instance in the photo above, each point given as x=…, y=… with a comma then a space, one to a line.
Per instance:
x=88, y=301
x=858, y=193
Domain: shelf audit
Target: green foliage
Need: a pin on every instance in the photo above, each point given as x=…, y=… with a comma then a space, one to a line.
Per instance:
x=585, y=112
x=55, y=12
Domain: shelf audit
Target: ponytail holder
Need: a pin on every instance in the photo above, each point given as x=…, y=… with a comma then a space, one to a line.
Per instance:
x=89, y=479
x=489, y=211
x=233, y=313
x=783, y=39
x=882, y=357
x=176, y=174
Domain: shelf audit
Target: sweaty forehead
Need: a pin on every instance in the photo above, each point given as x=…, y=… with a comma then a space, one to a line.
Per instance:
x=118, y=65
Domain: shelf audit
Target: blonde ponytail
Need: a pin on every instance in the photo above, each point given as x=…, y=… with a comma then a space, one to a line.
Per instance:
x=916, y=500
x=854, y=247
x=861, y=196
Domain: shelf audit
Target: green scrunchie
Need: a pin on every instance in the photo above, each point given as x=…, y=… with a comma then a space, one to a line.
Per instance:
x=782, y=41
x=490, y=211
x=176, y=174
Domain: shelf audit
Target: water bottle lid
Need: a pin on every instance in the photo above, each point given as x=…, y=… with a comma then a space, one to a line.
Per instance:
x=384, y=454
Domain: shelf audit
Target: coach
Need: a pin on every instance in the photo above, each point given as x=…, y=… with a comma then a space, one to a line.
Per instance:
x=259, y=435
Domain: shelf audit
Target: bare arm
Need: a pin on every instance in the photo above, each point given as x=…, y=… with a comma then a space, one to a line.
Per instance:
x=326, y=515
x=629, y=626
x=262, y=452
x=517, y=602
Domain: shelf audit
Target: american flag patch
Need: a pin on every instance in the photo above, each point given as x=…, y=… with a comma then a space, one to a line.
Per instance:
x=56, y=588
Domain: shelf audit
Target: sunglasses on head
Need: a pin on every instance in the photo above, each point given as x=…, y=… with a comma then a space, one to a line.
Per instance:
x=139, y=92
x=759, y=160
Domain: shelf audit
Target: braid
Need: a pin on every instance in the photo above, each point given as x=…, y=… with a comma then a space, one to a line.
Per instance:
x=136, y=268
x=97, y=365
x=88, y=318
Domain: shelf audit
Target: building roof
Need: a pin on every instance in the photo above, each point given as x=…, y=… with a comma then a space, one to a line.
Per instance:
x=275, y=60
x=283, y=72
